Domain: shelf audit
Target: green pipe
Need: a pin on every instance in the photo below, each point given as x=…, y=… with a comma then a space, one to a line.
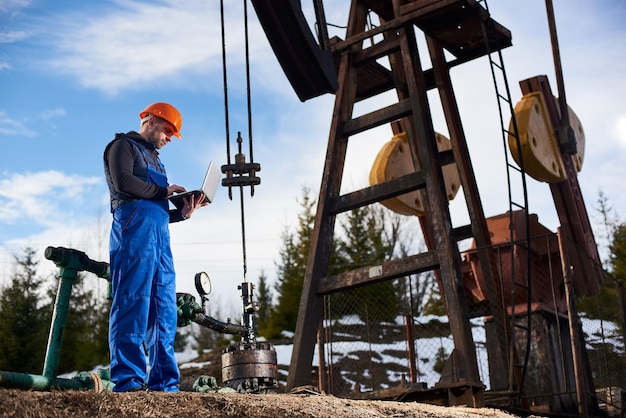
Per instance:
x=83, y=381
x=59, y=316
x=70, y=262
x=36, y=382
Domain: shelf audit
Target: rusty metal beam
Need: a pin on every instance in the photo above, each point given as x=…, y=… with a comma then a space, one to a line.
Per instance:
x=445, y=245
x=378, y=192
x=311, y=308
x=478, y=225
x=392, y=269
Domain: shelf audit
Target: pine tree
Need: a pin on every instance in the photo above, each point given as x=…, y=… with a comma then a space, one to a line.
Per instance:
x=264, y=298
x=367, y=236
x=182, y=339
x=609, y=222
x=606, y=304
x=365, y=242
x=607, y=307
x=418, y=293
x=618, y=253
x=24, y=323
x=293, y=259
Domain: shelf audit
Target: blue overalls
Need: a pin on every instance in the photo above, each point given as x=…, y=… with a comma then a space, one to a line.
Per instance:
x=144, y=292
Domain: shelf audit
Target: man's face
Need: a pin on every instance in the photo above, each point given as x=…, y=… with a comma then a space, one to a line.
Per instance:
x=160, y=132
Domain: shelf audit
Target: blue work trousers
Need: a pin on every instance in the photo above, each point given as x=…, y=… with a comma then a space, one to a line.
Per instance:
x=143, y=312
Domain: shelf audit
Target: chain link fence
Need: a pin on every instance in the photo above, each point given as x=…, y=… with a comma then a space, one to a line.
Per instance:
x=380, y=336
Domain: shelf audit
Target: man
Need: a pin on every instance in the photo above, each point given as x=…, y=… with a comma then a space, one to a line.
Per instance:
x=143, y=312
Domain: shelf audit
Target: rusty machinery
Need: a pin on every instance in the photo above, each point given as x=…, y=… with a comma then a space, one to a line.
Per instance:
x=456, y=32
x=248, y=366
x=346, y=68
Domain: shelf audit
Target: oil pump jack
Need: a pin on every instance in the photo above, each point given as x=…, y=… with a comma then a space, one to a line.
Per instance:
x=349, y=68
x=456, y=32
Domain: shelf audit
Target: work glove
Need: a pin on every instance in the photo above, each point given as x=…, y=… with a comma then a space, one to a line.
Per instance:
x=186, y=309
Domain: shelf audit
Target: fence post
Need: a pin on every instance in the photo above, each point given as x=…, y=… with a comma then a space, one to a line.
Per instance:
x=410, y=340
x=622, y=306
x=321, y=368
x=572, y=316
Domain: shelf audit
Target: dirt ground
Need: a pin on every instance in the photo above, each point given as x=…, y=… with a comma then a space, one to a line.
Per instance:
x=28, y=404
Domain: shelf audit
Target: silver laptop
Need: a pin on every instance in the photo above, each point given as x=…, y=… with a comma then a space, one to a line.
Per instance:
x=209, y=187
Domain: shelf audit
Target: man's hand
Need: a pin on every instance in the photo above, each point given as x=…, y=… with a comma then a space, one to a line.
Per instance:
x=175, y=188
x=192, y=204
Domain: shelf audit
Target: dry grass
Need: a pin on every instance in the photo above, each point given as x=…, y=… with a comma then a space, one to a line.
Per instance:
x=29, y=404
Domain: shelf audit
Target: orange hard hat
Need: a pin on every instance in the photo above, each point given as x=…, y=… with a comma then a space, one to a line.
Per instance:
x=165, y=111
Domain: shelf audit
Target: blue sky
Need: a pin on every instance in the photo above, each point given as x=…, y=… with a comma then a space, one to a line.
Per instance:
x=72, y=73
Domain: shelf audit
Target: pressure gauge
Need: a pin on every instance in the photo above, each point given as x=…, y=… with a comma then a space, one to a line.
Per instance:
x=203, y=283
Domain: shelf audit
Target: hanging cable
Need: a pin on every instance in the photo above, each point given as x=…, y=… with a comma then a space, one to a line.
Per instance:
x=225, y=82
x=243, y=219
x=239, y=173
x=248, y=89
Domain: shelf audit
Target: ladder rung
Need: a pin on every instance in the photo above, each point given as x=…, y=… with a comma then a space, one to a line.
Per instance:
x=515, y=168
x=495, y=64
x=392, y=269
x=377, y=118
x=463, y=232
x=521, y=244
x=513, y=134
x=378, y=192
x=379, y=50
x=524, y=327
x=518, y=205
x=522, y=285
x=503, y=98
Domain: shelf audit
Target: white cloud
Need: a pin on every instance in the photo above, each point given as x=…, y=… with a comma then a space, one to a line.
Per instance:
x=89, y=237
x=57, y=210
x=12, y=127
x=53, y=113
x=12, y=36
x=47, y=198
x=137, y=44
x=13, y=6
